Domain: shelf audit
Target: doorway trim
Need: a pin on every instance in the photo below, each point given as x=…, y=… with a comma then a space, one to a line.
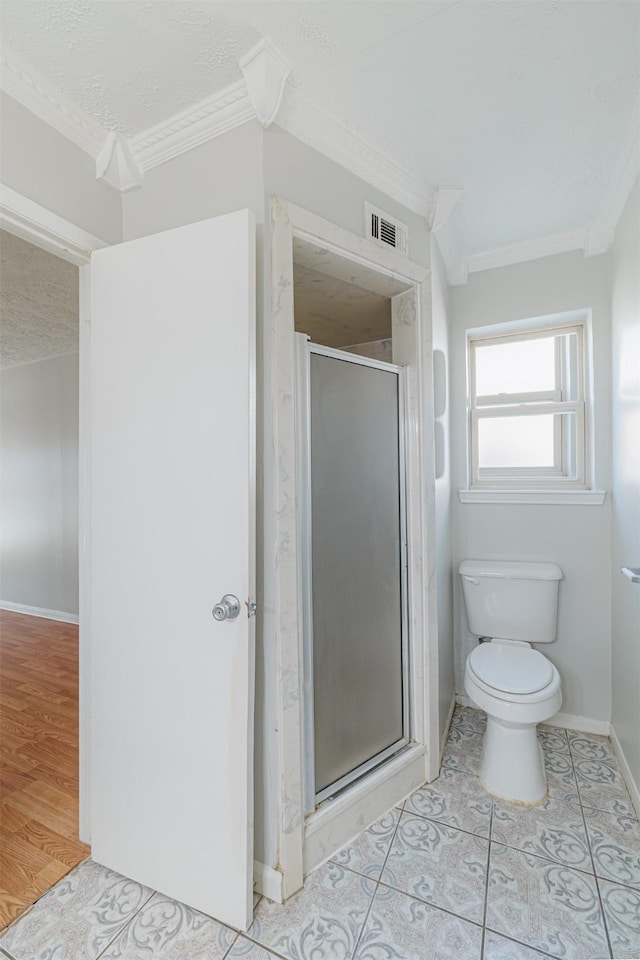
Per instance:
x=30, y=221
x=302, y=844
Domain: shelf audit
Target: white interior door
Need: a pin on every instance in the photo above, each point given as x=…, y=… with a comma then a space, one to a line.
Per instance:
x=172, y=531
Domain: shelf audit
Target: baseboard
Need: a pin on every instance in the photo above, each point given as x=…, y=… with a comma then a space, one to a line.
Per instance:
x=267, y=881
x=567, y=721
x=445, y=732
x=632, y=786
x=339, y=821
x=43, y=612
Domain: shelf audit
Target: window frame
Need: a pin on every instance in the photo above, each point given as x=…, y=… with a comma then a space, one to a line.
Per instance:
x=569, y=470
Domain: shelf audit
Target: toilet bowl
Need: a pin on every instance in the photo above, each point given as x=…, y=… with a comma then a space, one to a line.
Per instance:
x=517, y=688
x=509, y=606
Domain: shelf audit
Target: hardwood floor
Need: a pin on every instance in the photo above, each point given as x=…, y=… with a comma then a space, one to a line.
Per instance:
x=38, y=758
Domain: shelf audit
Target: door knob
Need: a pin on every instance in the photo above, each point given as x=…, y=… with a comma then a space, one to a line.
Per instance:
x=227, y=609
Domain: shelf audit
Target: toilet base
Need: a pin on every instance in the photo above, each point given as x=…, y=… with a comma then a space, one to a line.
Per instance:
x=512, y=765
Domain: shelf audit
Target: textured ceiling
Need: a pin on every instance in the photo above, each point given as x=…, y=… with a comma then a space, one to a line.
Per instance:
x=524, y=103
x=38, y=303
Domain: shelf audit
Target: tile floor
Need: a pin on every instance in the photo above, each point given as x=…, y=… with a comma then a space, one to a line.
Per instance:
x=452, y=873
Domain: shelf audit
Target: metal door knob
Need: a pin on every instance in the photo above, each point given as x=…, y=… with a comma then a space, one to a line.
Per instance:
x=227, y=609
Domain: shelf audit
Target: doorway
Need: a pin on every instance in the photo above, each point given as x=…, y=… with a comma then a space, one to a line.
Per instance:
x=312, y=826
x=39, y=572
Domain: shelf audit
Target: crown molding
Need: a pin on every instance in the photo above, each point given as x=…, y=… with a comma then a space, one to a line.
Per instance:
x=527, y=250
x=339, y=143
x=625, y=172
x=443, y=203
x=21, y=81
x=116, y=165
x=183, y=131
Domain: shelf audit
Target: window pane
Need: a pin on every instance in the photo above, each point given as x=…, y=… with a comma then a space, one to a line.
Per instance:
x=518, y=442
x=525, y=366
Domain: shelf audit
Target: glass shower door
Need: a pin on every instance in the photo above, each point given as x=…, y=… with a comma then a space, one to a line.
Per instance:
x=357, y=654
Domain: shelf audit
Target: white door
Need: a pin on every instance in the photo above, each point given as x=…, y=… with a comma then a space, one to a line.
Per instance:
x=172, y=532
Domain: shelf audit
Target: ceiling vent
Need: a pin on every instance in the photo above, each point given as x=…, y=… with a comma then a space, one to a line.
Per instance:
x=386, y=230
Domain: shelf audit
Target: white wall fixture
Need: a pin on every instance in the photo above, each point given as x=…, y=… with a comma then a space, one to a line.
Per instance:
x=444, y=202
x=265, y=72
x=115, y=164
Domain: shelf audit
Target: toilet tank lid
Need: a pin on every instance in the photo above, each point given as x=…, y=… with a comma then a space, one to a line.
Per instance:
x=510, y=570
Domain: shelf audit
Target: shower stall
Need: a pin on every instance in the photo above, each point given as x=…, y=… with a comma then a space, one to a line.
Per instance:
x=354, y=564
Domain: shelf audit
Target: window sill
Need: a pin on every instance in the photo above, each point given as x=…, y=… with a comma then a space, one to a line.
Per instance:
x=582, y=498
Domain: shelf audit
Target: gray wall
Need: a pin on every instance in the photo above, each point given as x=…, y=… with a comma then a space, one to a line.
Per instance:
x=41, y=164
x=575, y=537
x=39, y=484
x=217, y=177
x=626, y=480
x=440, y=318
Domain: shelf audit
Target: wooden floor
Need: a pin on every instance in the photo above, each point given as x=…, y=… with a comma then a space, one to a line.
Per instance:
x=38, y=758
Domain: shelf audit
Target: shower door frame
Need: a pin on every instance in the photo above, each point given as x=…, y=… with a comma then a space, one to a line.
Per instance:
x=298, y=843
x=304, y=349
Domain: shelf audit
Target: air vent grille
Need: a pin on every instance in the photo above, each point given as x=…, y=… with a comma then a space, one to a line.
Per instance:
x=386, y=230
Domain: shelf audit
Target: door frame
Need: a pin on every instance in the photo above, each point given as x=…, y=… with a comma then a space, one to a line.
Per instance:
x=304, y=843
x=30, y=221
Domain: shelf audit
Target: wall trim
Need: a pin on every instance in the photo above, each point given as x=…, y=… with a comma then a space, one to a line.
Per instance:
x=632, y=786
x=26, y=85
x=338, y=821
x=580, y=498
x=268, y=882
x=566, y=721
x=339, y=143
x=60, y=615
x=31, y=222
x=210, y=118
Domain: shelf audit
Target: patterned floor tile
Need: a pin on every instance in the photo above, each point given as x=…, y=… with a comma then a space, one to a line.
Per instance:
x=499, y=948
x=367, y=854
x=554, y=830
x=601, y=785
x=615, y=845
x=445, y=867
x=545, y=905
x=78, y=918
x=463, y=756
x=561, y=781
x=553, y=739
x=322, y=920
x=244, y=949
x=466, y=724
x=589, y=746
x=400, y=928
x=455, y=799
x=622, y=915
x=170, y=930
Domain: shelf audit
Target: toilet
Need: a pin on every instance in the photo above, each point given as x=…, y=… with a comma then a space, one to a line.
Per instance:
x=510, y=606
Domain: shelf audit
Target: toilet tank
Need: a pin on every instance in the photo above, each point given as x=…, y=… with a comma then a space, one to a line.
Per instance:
x=511, y=600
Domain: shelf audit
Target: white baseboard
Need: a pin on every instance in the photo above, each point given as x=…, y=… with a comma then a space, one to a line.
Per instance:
x=567, y=721
x=267, y=881
x=445, y=732
x=632, y=786
x=43, y=612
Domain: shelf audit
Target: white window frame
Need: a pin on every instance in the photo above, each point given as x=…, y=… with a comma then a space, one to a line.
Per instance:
x=569, y=471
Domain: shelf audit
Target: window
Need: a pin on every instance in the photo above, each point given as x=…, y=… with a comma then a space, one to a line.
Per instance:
x=527, y=410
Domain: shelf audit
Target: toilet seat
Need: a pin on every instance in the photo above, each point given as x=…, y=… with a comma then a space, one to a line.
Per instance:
x=510, y=667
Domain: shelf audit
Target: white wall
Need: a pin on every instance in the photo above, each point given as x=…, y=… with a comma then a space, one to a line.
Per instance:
x=44, y=166
x=575, y=537
x=39, y=484
x=440, y=319
x=626, y=480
